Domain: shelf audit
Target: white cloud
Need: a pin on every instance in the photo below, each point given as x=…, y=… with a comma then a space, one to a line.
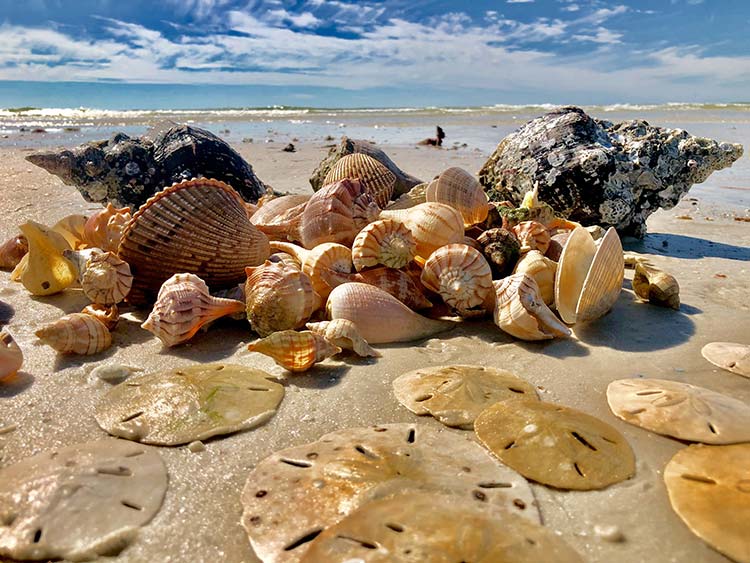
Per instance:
x=303, y=19
x=603, y=14
x=519, y=1
x=571, y=8
x=601, y=35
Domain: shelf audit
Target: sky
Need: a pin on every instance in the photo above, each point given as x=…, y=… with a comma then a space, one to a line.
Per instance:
x=391, y=52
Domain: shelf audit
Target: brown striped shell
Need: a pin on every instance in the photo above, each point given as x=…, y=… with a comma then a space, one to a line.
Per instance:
x=295, y=351
x=344, y=333
x=109, y=315
x=462, y=277
x=107, y=279
x=387, y=242
x=397, y=283
x=104, y=228
x=198, y=226
x=431, y=224
x=376, y=179
x=462, y=191
x=543, y=271
x=326, y=256
x=12, y=251
x=77, y=333
x=532, y=235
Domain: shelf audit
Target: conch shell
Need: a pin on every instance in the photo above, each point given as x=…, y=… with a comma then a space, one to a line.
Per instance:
x=12, y=251
x=376, y=179
x=380, y=317
x=109, y=315
x=77, y=333
x=543, y=270
x=655, y=286
x=183, y=306
x=295, y=351
x=294, y=250
x=344, y=333
x=461, y=190
x=385, y=242
x=431, y=224
x=44, y=270
x=104, y=228
x=462, y=277
x=397, y=283
x=501, y=249
x=521, y=312
x=11, y=357
x=324, y=257
x=107, y=279
x=532, y=235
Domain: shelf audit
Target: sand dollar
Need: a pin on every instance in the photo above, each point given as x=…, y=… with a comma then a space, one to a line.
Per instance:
x=455, y=395
x=729, y=356
x=295, y=494
x=79, y=501
x=555, y=445
x=681, y=410
x=189, y=403
x=709, y=488
x=416, y=526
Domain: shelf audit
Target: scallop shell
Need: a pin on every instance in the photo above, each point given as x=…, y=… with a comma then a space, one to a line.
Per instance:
x=12, y=251
x=501, y=249
x=376, y=179
x=295, y=351
x=71, y=229
x=11, y=357
x=278, y=297
x=432, y=224
x=109, y=315
x=344, y=333
x=543, y=271
x=521, y=312
x=656, y=286
x=77, y=333
x=183, y=306
x=603, y=282
x=462, y=277
x=385, y=242
x=532, y=235
x=104, y=228
x=107, y=279
x=380, y=317
x=272, y=211
x=397, y=283
x=461, y=190
x=44, y=270
x=326, y=256
x=197, y=226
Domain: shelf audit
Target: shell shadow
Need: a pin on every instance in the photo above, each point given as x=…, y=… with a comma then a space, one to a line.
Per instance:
x=16, y=385
x=70, y=301
x=65, y=361
x=682, y=246
x=6, y=313
x=320, y=376
x=221, y=341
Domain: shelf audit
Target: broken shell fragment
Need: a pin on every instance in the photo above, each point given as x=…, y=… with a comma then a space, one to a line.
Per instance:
x=461, y=190
x=542, y=269
x=375, y=178
x=11, y=357
x=71, y=229
x=655, y=286
x=44, y=270
x=387, y=242
x=109, y=315
x=12, y=251
x=77, y=333
x=344, y=333
x=729, y=356
x=295, y=351
x=104, y=228
x=106, y=279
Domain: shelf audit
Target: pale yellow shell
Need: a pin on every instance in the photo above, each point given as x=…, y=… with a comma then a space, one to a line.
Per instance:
x=520, y=311
x=542, y=269
x=326, y=256
x=656, y=286
x=461, y=190
x=532, y=235
x=397, y=283
x=344, y=333
x=431, y=224
x=376, y=179
x=387, y=242
x=77, y=333
x=44, y=270
x=109, y=315
x=104, y=228
x=71, y=229
x=462, y=277
x=295, y=351
x=107, y=279
x=183, y=306
x=11, y=357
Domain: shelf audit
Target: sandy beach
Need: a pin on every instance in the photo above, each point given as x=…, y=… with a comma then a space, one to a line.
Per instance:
x=51, y=402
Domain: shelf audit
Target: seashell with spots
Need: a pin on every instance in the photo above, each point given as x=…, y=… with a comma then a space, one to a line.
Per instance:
x=77, y=333
x=44, y=270
x=501, y=249
x=295, y=351
x=387, y=242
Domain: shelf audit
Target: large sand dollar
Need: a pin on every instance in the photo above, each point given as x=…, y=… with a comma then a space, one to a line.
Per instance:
x=79, y=501
x=729, y=356
x=555, y=445
x=419, y=527
x=455, y=395
x=680, y=410
x=189, y=403
x=709, y=488
x=295, y=494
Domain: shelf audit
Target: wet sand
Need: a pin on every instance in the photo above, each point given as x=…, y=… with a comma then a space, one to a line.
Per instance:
x=51, y=402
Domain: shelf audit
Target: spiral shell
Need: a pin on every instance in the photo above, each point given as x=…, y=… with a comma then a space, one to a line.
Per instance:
x=79, y=259
x=462, y=191
x=326, y=256
x=501, y=249
x=104, y=228
x=11, y=357
x=295, y=351
x=71, y=229
x=376, y=179
x=532, y=235
x=397, y=283
x=44, y=270
x=543, y=271
x=107, y=279
x=109, y=315
x=387, y=242
x=656, y=286
x=183, y=306
x=344, y=333
x=77, y=333
x=431, y=224
x=12, y=251
x=293, y=250
x=462, y=277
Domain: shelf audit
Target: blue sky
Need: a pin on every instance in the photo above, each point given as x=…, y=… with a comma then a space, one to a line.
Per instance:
x=380, y=53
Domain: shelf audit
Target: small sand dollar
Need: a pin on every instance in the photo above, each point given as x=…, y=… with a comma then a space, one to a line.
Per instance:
x=681, y=410
x=555, y=445
x=709, y=488
x=295, y=494
x=79, y=501
x=190, y=403
x=455, y=395
x=729, y=356
x=420, y=527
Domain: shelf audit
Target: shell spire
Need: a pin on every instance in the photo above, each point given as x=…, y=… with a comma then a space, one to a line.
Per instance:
x=78, y=333
x=295, y=351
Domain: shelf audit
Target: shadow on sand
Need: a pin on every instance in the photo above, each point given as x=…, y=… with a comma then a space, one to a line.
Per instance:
x=682, y=246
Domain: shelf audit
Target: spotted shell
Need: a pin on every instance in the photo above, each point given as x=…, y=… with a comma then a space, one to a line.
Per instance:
x=397, y=283
x=532, y=235
x=461, y=190
x=326, y=256
x=431, y=224
x=109, y=315
x=107, y=279
x=376, y=179
x=295, y=351
x=344, y=333
x=198, y=226
x=12, y=251
x=543, y=271
x=462, y=277
x=104, y=228
x=44, y=270
x=11, y=357
x=77, y=333
x=387, y=242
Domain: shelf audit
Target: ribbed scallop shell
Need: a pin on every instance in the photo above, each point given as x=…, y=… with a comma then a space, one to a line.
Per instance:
x=109, y=315
x=77, y=333
x=431, y=224
x=274, y=210
x=326, y=256
x=71, y=229
x=397, y=283
x=44, y=270
x=12, y=251
x=462, y=277
x=278, y=297
x=462, y=191
x=197, y=226
x=543, y=271
x=387, y=242
x=532, y=235
x=11, y=357
x=295, y=351
x=520, y=311
x=183, y=306
x=344, y=333
x=603, y=282
x=104, y=228
x=376, y=179
x=107, y=279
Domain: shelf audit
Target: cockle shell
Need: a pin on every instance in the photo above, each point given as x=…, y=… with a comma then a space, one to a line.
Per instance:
x=44, y=270
x=387, y=242
x=275, y=209
x=71, y=229
x=461, y=190
x=104, y=228
x=376, y=179
x=521, y=312
x=501, y=249
x=656, y=286
x=77, y=333
x=397, y=283
x=12, y=251
x=107, y=279
x=380, y=317
x=11, y=357
x=542, y=269
x=278, y=297
x=344, y=333
x=532, y=235
x=432, y=224
x=324, y=257
x=198, y=226
x=183, y=306
x=109, y=315
x=462, y=277
x=295, y=351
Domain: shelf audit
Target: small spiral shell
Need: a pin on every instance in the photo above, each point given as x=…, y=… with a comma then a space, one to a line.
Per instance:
x=295, y=351
x=387, y=242
x=107, y=279
x=12, y=251
x=344, y=333
x=532, y=235
x=109, y=315
x=77, y=333
x=326, y=256
x=11, y=357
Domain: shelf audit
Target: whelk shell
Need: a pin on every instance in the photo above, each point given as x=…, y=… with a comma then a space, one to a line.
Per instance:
x=532, y=235
x=344, y=333
x=77, y=333
x=501, y=249
x=461, y=190
x=397, y=283
x=44, y=270
x=12, y=251
x=376, y=179
x=380, y=317
x=324, y=257
x=104, y=228
x=290, y=249
x=71, y=229
x=273, y=211
x=432, y=224
x=543, y=271
x=109, y=315
x=656, y=286
x=79, y=259
x=295, y=351
x=385, y=242
x=11, y=357
x=107, y=279
x=183, y=306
